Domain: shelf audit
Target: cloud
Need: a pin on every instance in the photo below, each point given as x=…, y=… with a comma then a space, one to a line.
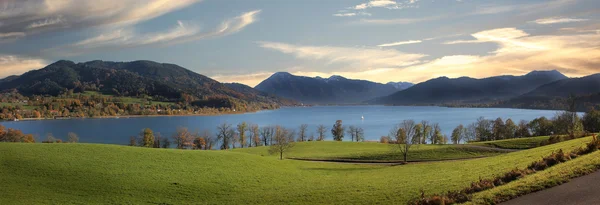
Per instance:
x=11, y=36
x=357, y=58
x=493, y=10
x=399, y=43
x=181, y=33
x=517, y=53
x=35, y=16
x=396, y=21
x=16, y=65
x=388, y=4
x=555, y=20
x=348, y=14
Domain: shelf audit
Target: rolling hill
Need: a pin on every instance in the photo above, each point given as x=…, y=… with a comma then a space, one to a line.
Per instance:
x=333, y=90
x=470, y=90
x=164, y=82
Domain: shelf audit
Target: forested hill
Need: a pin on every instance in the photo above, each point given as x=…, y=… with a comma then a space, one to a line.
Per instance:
x=470, y=90
x=161, y=81
x=333, y=90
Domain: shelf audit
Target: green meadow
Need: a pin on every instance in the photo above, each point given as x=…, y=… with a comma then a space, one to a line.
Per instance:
x=517, y=143
x=112, y=174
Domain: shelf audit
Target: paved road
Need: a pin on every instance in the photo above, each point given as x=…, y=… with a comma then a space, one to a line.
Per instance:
x=582, y=190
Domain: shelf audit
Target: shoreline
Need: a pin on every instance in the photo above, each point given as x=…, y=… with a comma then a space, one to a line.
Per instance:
x=132, y=116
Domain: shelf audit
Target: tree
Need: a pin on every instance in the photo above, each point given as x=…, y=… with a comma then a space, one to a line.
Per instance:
x=50, y=138
x=210, y=140
x=426, y=131
x=183, y=138
x=241, y=129
x=404, y=135
x=302, y=133
x=338, y=131
x=255, y=135
x=435, y=133
x=470, y=132
x=157, y=140
x=267, y=133
x=438, y=136
x=483, y=129
x=522, y=130
x=498, y=129
x=509, y=129
x=199, y=142
x=566, y=123
x=165, y=142
x=458, y=134
x=322, y=131
x=356, y=133
x=282, y=142
x=132, y=141
x=540, y=126
x=72, y=137
x=225, y=135
x=591, y=121
x=419, y=134
x=147, y=137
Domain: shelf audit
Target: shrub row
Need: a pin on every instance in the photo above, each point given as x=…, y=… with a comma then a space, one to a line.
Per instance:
x=464, y=195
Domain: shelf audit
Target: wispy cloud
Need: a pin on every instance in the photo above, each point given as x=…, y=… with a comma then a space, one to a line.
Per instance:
x=399, y=43
x=555, y=20
x=182, y=32
x=16, y=65
x=357, y=58
x=396, y=21
x=349, y=14
x=40, y=15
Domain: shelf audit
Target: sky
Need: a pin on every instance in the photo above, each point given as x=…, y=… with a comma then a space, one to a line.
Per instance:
x=246, y=41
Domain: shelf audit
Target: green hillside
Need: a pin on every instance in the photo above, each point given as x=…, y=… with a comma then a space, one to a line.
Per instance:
x=518, y=143
x=96, y=173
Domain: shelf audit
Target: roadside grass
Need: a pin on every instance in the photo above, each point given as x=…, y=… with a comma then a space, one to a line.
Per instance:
x=519, y=143
x=550, y=177
x=331, y=150
x=98, y=173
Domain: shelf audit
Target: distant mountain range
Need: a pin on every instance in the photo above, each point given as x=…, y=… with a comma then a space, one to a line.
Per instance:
x=554, y=95
x=333, y=90
x=445, y=90
x=165, y=82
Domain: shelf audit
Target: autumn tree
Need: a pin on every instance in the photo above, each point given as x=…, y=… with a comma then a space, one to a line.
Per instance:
x=522, y=130
x=302, y=133
x=419, y=134
x=403, y=134
x=254, y=135
x=322, y=132
x=509, y=129
x=182, y=138
x=147, y=138
x=282, y=142
x=426, y=131
x=241, y=129
x=225, y=135
x=458, y=134
x=435, y=133
x=72, y=137
x=337, y=131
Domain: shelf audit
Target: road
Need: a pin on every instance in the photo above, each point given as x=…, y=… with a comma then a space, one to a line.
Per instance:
x=582, y=190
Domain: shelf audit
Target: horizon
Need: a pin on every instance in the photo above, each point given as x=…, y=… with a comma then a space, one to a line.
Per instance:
x=249, y=41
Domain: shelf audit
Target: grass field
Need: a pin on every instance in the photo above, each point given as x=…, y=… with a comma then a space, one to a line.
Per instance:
x=97, y=173
x=519, y=143
x=374, y=151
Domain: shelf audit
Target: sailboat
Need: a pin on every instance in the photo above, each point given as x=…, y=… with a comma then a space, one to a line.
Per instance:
x=362, y=117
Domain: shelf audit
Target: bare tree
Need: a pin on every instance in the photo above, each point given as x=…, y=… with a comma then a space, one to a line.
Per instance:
x=322, y=131
x=183, y=138
x=165, y=142
x=241, y=129
x=352, y=132
x=254, y=135
x=302, y=133
x=282, y=142
x=72, y=137
x=404, y=137
x=225, y=135
x=267, y=134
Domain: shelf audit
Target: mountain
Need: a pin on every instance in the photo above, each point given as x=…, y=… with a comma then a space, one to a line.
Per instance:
x=162, y=81
x=554, y=95
x=400, y=85
x=445, y=90
x=333, y=90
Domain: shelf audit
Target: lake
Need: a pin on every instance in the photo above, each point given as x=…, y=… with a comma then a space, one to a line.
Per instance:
x=378, y=120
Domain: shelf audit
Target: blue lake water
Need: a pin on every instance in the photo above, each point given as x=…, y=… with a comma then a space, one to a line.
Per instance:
x=378, y=120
